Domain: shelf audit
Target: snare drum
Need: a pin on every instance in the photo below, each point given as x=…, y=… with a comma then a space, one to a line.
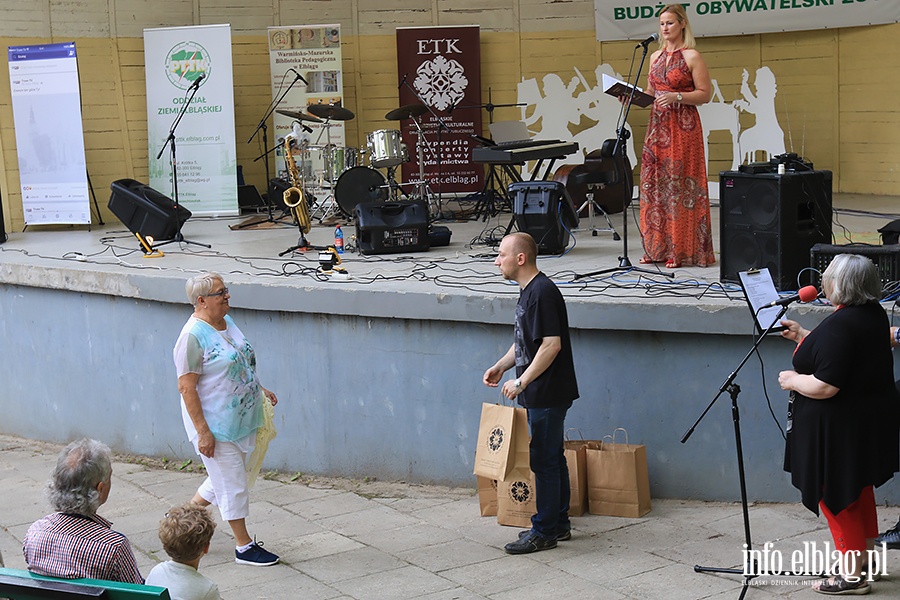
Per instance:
x=386, y=148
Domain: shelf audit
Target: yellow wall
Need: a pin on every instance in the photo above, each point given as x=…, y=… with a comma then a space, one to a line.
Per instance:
x=836, y=100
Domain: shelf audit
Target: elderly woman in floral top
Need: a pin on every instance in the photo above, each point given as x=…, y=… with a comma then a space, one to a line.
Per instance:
x=222, y=407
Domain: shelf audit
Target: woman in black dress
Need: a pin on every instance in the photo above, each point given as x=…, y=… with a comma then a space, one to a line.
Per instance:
x=844, y=416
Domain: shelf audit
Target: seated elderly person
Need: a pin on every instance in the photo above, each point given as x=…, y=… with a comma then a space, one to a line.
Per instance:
x=74, y=541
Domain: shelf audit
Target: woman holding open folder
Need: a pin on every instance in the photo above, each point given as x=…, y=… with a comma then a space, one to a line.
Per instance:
x=675, y=223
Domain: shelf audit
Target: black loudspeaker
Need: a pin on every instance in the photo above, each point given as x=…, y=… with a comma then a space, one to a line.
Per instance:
x=276, y=190
x=3, y=236
x=545, y=211
x=772, y=221
x=144, y=210
x=391, y=227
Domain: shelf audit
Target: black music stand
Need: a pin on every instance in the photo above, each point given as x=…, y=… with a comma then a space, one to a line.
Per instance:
x=617, y=150
x=170, y=141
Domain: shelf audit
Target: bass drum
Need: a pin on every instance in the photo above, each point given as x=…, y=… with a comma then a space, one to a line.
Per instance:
x=359, y=184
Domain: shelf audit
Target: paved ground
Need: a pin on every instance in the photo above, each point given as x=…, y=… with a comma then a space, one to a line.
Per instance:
x=342, y=539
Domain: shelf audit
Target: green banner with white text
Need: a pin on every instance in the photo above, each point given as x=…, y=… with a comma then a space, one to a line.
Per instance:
x=636, y=20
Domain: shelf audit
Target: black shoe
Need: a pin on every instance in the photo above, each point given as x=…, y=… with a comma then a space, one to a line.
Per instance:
x=890, y=538
x=530, y=542
x=562, y=536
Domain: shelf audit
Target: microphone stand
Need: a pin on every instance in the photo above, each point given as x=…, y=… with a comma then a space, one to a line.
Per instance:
x=623, y=168
x=263, y=126
x=442, y=126
x=170, y=141
x=751, y=567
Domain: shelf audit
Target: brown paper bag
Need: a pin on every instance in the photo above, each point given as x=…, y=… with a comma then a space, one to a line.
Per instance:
x=576, y=460
x=502, y=441
x=516, y=499
x=487, y=496
x=618, y=480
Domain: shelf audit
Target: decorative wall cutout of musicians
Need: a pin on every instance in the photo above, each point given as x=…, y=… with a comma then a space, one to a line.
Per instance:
x=553, y=109
x=766, y=136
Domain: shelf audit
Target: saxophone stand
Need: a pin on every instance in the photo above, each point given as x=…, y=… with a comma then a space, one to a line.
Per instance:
x=170, y=141
x=751, y=568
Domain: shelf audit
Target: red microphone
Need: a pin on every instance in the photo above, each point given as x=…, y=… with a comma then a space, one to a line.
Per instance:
x=805, y=294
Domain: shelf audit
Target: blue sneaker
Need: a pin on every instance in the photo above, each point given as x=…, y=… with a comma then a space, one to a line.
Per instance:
x=255, y=556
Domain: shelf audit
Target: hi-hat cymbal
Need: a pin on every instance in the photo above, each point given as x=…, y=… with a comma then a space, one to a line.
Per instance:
x=335, y=112
x=409, y=111
x=299, y=116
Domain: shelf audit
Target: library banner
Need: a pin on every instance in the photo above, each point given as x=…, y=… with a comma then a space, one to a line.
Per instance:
x=310, y=53
x=46, y=104
x=179, y=62
x=442, y=66
x=630, y=20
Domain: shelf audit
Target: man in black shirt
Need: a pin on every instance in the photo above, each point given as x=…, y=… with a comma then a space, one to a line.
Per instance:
x=545, y=385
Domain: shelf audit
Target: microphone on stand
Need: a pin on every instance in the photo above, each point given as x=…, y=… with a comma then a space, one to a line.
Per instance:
x=805, y=294
x=299, y=76
x=402, y=81
x=652, y=38
x=196, y=84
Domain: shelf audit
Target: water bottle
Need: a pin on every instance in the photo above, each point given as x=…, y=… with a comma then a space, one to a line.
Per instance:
x=339, y=240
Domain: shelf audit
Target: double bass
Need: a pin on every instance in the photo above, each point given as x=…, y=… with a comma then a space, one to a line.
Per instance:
x=612, y=197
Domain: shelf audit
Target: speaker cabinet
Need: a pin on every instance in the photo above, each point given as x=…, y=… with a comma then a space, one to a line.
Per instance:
x=544, y=210
x=772, y=221
x=144, y=210
x=391, y=227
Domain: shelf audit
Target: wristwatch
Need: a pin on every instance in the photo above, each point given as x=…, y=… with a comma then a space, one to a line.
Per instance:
x=518, y=384
x=679, y=97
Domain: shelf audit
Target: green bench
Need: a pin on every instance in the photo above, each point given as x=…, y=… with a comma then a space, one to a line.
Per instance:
x=25, y=585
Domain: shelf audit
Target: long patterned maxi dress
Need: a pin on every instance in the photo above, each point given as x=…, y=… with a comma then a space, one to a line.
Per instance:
x=674, y=197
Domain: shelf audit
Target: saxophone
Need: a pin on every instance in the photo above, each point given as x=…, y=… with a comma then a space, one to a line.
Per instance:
x=293, y=197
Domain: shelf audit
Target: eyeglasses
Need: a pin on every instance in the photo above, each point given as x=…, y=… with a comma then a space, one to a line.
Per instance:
x=221, y=292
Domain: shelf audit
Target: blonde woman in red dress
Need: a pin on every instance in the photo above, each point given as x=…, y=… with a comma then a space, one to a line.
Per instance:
x=675, y=224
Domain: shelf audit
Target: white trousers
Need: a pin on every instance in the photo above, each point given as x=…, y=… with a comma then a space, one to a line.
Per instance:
x=226, y=482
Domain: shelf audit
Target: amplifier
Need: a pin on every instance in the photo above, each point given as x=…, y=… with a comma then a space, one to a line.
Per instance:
x=886, y=258
x=391, y=227
x=544, y=210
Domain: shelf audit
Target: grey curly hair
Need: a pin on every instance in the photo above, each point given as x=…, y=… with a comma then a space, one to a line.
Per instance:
x=80, y=467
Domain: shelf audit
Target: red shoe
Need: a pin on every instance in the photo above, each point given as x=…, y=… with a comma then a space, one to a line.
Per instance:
x=673, y=264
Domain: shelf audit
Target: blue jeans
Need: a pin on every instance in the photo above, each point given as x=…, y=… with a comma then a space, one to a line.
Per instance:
x=551, y=474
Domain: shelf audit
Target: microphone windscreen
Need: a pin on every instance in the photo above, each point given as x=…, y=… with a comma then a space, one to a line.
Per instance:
x=808, y=293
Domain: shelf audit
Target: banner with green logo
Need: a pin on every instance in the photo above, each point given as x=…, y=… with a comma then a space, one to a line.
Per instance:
x=190, y=68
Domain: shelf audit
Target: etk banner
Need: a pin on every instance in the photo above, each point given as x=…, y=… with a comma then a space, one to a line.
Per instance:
x=442, y=66
x=628, y=20
x=179, y=62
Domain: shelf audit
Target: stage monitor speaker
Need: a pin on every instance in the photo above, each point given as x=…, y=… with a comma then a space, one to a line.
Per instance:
x=544, y=210
x=144, y=210
x=391, y=227
x=772, y=221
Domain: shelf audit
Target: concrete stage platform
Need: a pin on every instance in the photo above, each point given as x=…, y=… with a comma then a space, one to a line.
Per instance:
x=380, y=376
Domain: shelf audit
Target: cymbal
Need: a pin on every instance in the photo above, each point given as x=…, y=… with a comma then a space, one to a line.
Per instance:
x=299, y=116
x=410, y=111
x=335, y=112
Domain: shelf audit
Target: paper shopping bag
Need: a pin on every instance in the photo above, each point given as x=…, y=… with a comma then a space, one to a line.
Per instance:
x=502, y=441
x=516, y=499
x=618, y=480
x=487, y=496
x=576, y=460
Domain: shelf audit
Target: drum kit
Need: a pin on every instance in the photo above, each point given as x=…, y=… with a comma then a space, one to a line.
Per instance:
x=340, y=175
